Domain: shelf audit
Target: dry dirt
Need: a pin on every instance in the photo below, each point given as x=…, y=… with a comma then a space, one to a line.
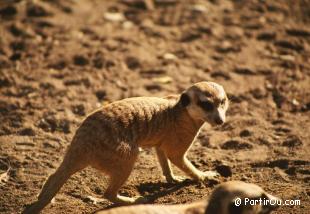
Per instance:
x=60, y=60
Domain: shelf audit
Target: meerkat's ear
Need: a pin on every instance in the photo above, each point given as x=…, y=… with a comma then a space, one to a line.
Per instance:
x=185, y=100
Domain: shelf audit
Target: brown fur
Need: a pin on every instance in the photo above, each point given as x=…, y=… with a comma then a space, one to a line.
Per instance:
x=109, y=139
x=218, y=203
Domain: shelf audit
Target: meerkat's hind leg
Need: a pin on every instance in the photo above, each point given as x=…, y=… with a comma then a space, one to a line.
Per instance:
x=55, y=181
x=118, y=177
x=166, y=167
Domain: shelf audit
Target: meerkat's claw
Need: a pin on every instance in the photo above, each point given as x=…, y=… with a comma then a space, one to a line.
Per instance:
x=175, y=179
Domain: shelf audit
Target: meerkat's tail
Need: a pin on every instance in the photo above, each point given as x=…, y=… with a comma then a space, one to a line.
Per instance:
x=53, y=184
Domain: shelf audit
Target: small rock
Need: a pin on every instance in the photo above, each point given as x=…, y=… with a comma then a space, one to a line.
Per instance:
x=27, y=132
x=8, y=11
x=298, y=32
x=170, y=56
x=235, y=98
x=101, y=94
x=163, y=80
x=265, y=71
x=4, y=62
x=84, y=81
x=292, y=141
x=34, y=10
x=199, y=8
x=283, y=129
x=281, y=163
x=78, y=109
x=51, y=144
x=287, y=57
x=278, y=98
x=80, y=60
x=127, y=25
x=4, y=82
x=58, y=65
x=114, y=17
x=132, y=62
x=305, y=107
x=258, y=93
x=17, y=29
x=266, y=36
x=295, y=102
x=222, y=74
x=245, y=133
x=152, y=72
x=227, y=47
x=153, y=87
x=224, y=170
x=236, y=144
x=289, y=45
x=48, y=124
x=291, y=171
x=244, y=71
x=16, y=56
x=190, y=36
x=111, y=44
x=64, y=126
x=98, y=62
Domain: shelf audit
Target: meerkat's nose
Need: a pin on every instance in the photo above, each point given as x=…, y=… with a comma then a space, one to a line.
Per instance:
x=219, y=120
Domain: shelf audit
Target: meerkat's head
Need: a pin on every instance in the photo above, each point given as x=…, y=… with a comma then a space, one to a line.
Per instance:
x=252, y=198
x=206, y=101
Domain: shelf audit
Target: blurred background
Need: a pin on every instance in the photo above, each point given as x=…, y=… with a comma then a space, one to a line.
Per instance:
x=62, y=59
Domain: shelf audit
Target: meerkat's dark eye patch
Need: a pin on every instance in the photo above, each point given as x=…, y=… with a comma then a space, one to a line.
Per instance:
x=206, y=105
x=185, y=100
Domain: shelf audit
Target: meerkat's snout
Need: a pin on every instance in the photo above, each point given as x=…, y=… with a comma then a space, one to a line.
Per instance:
x=206, y=101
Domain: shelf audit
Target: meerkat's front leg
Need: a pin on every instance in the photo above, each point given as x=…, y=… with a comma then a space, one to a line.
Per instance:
x=186, y=166
x=166, y=167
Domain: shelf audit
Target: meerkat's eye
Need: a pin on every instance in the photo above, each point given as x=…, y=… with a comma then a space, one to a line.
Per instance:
x=223, y=102
x=206, y=105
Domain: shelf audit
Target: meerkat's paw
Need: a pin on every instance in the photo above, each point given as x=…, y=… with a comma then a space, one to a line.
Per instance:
x=122, y=200
x=140, y=200
x=207, y=175
x=175, y=179
x=211, y=174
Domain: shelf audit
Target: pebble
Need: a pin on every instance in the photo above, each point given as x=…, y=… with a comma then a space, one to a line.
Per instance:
x=292, y=141
x=114, y=17
x=224, y=170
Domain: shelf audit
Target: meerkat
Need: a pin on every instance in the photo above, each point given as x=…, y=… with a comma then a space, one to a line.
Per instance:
x=221, y=201
x=109, y=138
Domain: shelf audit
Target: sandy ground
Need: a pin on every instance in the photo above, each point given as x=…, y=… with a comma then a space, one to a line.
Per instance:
x=60, y=60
